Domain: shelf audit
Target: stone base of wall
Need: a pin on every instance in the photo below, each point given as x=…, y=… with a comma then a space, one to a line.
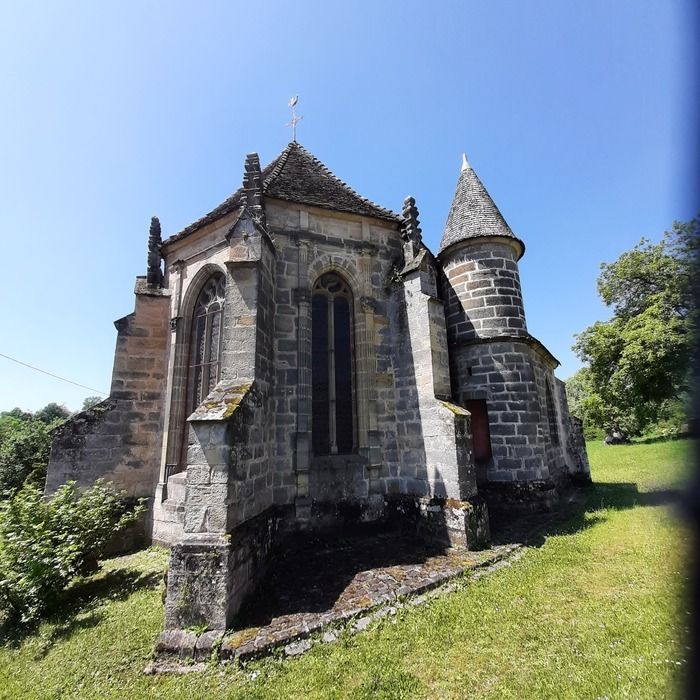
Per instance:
x=345, y=513
x=208, y=579
x=515, y=497
x=445, y=521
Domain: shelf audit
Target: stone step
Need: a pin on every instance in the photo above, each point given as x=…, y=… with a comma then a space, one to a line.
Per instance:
x=176, y=487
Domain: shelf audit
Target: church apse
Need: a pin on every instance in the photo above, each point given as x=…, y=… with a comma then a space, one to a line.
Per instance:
x=313, y=366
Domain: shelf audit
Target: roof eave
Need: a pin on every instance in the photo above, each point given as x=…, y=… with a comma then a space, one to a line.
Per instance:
x=453, y=247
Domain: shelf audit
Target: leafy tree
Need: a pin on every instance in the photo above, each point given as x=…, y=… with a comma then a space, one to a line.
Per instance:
x=91, y=401
x=52, y=412
x=584, y=402
x=639, y=360
x=25, y=442
x=46, y=542
x=16, y=413
x=24, y=452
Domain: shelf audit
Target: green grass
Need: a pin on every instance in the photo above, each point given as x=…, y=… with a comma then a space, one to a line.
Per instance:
x=596, y=611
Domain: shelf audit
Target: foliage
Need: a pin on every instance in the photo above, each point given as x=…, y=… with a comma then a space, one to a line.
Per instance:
x=52, y=412
x=597, y=610
x=91, y=401
x=46, y=542
x=638, y=362
x=582, y=399
x=24, y=452
x=25, y=442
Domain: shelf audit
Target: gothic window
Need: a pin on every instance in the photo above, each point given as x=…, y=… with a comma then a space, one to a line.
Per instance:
x=481, y=435
x=205, y=340
x=551, y=417
x=332, y=366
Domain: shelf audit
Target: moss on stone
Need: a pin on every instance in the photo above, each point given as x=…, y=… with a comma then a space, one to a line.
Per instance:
x=457, y=410
x=238, y=639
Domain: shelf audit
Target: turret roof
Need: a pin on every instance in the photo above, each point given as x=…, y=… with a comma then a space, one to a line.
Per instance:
x=473, y=213
x=298, y=176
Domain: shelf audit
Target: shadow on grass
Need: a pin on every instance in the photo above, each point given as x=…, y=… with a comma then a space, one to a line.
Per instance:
x=78, y=607
x=579, y=509
x=313, y=571
x=660, y=438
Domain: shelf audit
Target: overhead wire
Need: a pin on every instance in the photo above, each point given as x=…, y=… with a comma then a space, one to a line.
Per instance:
x=51, y=374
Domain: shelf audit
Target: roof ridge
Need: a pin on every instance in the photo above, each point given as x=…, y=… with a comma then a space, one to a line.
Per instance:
x=327, y=171
x=276, y=168
x=281, y=162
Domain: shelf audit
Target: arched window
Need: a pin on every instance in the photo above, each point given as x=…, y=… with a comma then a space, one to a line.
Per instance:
x=332, y=366
x=205, y=340
x=552, y=417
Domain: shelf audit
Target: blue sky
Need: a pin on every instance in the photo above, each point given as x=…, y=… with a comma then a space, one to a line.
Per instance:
x=577, y=116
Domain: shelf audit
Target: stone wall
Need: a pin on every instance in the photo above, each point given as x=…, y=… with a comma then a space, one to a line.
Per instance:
x=120, y=439
x=501, y=372
x=309, y=243
x=482, y=294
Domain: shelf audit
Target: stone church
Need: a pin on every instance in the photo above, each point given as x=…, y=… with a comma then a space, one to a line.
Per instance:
x=304, y=361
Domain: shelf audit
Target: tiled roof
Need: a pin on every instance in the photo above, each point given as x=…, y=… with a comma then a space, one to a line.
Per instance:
x=473, y=213
x=298, y=176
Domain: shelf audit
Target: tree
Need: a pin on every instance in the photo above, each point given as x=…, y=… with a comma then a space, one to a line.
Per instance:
x=52, y=412
x=25, y=442
x=24, y=452
x=91, y=401
x=639, y=360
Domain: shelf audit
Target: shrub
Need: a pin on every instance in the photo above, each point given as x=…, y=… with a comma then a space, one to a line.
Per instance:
x=46, y=542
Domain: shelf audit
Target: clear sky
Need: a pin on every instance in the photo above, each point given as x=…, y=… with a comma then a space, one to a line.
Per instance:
x=577, y=116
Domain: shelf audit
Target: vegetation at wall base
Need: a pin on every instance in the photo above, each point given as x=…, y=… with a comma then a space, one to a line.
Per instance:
x=47, y=542
x=596, y=610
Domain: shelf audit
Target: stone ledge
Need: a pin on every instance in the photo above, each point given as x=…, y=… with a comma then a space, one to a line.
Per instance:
x=297, y=633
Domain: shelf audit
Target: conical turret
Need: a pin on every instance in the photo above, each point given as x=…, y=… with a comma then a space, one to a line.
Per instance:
x=473, y=213
x=479, y=254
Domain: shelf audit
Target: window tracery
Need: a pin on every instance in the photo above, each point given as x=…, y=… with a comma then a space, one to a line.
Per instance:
x=205, y=340
x=332, y=366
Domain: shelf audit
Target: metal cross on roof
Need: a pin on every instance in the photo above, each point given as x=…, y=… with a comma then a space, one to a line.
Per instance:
x=295, y=120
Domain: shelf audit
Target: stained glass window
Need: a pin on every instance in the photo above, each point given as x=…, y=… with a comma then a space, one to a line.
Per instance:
x=332, y=366
x=205, y=348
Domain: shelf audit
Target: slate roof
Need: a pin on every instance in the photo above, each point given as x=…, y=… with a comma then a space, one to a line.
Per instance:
x=298, y=176
x=473, y=213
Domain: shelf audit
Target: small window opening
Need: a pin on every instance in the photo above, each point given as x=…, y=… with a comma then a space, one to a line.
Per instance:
x=552, y=417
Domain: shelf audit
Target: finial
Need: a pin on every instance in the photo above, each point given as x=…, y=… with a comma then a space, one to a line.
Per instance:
x=154, y=276
x=252, y=180
x=411, y=228
x=295, y=120
x=465, y=162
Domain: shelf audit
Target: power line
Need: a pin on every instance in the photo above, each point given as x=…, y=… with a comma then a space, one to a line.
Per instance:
x=63, y=379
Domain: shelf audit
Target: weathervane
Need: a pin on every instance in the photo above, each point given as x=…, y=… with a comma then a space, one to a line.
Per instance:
x=295, y=120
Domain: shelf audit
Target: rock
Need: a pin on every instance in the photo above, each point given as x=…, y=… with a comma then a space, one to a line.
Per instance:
x=206, y=643
x=297, y=648
x=178, y=643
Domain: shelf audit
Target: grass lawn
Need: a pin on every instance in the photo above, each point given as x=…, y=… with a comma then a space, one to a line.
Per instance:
x=596, y=611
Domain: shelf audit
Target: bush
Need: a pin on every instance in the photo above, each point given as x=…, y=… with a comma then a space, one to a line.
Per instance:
x=46, y=542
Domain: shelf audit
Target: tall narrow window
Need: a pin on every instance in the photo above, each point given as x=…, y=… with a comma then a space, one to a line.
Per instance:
x=205, y=343
x=332, y=385
x=551, y=417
